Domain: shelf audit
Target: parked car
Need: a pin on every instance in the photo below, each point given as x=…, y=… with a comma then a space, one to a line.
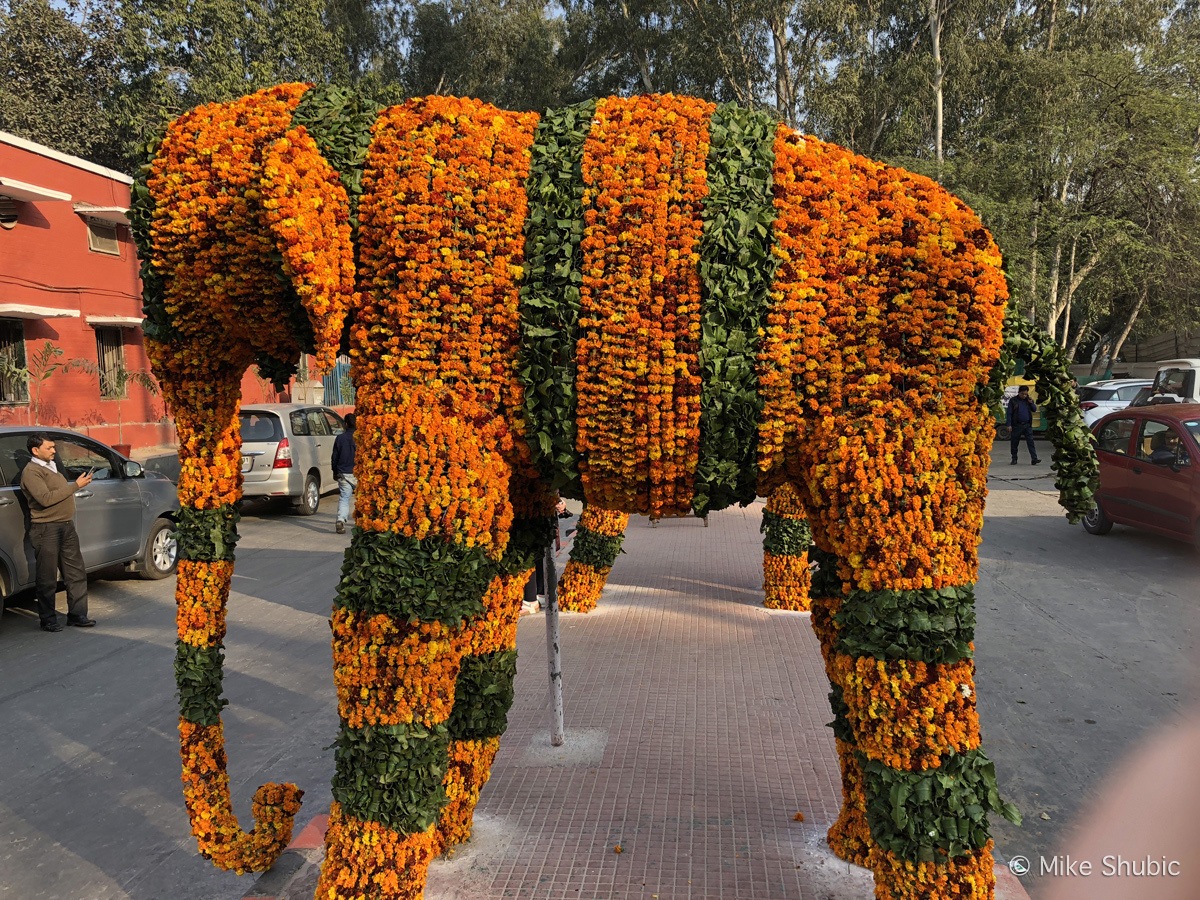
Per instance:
x=1100, y=398
x=1149, y=471
x=125, y=516
x=285, y=452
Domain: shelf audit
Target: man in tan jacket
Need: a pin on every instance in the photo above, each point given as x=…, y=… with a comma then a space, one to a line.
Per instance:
x=52, y=532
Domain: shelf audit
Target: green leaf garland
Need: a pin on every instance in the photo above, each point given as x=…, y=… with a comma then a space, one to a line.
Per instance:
x=392, y=774
x=198, y=675
x=933, y=814
x=598, y=551
x=483, y=695
x=207, y=535
x=785, y=536
x=737, y=270
x=430, y=580
x=550, y=292
x=934, y=625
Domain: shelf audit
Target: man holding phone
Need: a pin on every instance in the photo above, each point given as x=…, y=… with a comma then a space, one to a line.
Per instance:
x=52, y=532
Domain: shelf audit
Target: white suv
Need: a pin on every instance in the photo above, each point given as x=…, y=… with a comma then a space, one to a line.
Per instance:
x=1102, y=397
x=286, y=450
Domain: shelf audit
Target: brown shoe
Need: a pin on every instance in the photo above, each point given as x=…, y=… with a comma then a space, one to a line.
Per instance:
x=340, y=527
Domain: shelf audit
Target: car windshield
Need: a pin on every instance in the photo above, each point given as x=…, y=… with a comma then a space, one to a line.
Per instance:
x=260, y=426
x=1094, y=393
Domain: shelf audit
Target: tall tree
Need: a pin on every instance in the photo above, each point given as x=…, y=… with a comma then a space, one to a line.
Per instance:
x=57, y=71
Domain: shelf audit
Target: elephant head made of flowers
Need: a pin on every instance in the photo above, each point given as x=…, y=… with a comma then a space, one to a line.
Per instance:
x=657, y=304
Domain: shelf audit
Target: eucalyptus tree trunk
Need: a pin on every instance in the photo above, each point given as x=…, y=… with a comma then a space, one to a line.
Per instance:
x=936, y=19
x=785, y=89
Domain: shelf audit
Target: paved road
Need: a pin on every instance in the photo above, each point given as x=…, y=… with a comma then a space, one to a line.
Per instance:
x=1085, y=645
x=90, y=801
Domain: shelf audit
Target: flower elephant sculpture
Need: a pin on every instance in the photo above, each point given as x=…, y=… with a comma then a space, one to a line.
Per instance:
x=656, y=304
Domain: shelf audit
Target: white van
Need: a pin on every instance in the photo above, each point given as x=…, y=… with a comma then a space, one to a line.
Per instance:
x=1177, y=379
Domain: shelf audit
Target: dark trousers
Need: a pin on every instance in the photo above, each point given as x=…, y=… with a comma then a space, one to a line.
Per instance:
x=55, y=547
x=1023, y=431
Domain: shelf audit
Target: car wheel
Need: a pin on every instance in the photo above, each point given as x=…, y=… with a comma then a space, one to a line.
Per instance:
x=1096, y=522
x=162, y=551
x=310, y=497
x=1003, y=432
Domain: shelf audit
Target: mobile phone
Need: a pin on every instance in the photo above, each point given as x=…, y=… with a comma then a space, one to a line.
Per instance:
x=91, y=470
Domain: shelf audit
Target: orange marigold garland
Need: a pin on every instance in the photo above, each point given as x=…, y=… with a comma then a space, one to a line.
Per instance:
x=206, y=793
x=884, y=319
x=442, y=255
x=367, y=859
x=484, y=695
x=598, y=539
x=638, y=382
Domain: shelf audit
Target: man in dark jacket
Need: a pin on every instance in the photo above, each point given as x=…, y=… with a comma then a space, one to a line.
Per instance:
x=1020, y=422
x=342, y=463
x=52, y=532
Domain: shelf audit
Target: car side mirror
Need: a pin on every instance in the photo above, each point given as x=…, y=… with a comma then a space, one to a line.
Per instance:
x=133, y=469
x=1163, y=457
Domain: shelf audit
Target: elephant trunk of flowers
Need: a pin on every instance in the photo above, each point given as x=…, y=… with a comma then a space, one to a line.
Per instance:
x=204, y=391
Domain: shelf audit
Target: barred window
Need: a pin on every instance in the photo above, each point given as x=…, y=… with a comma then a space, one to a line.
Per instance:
x=14, y=385
x=110, y=354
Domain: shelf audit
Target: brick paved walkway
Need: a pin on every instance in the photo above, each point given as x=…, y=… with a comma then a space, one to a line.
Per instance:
x=695, y=732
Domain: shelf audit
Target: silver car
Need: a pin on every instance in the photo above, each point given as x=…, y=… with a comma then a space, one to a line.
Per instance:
x=286, y=448
x=1099, y=398
x=125, y=516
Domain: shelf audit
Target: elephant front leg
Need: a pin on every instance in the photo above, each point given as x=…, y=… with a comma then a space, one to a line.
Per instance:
x=434, y=517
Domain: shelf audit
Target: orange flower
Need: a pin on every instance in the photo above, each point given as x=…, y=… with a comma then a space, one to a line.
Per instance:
x=638, y=383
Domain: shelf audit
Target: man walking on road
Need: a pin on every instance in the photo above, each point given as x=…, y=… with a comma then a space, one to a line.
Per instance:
x=342, y=463
x=1020, y=421
x=52, y=532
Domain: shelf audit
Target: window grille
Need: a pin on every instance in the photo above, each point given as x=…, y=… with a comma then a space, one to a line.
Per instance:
x=110, y=354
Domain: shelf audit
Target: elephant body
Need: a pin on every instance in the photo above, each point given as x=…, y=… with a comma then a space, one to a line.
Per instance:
x=659, y=305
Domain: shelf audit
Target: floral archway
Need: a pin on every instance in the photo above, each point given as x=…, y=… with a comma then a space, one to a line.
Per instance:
x=657, y=304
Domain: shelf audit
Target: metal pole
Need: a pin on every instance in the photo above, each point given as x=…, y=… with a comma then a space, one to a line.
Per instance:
x=553, y=655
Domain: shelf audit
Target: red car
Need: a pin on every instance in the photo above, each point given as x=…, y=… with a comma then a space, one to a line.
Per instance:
x=1149, y=471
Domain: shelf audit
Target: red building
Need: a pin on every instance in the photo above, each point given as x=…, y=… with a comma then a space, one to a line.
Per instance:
x=71, y=348
x=71, y=351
